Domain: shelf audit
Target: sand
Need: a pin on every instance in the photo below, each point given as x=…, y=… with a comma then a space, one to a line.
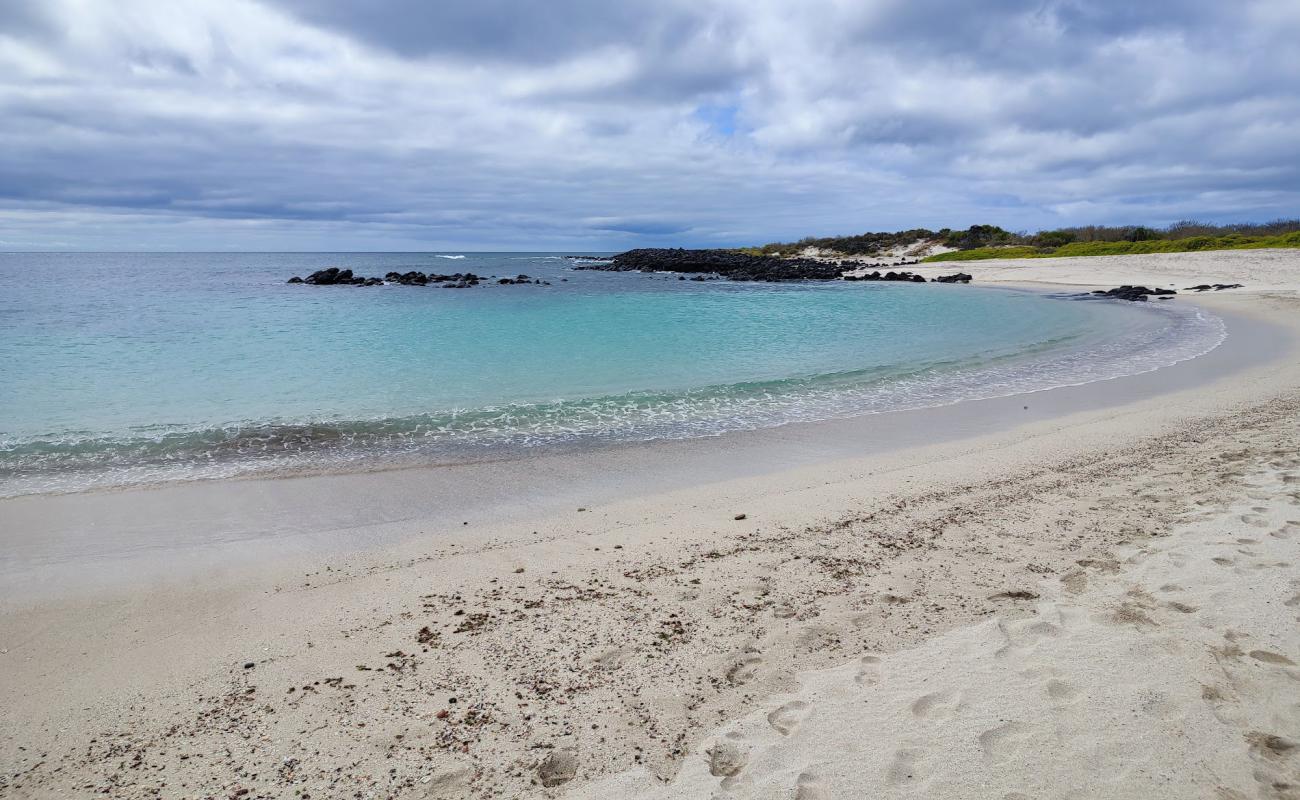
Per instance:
x=1168, y=671
x=1098, y=604
x=1257, y=270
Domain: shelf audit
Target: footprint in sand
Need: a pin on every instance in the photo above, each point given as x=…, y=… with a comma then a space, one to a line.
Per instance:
x=1269, y=746
x=1004, y=741
x=1271, y=658
x=1270, y=753
x=788, y=717
x=1061, y=691
x=1022, y=635
x=1286, y=531
x=744, y=669
x=908, y=767
x=1223, y=561
x=1075, y=581
x=809, y=786
x=868, y=671
x=783, y=611
x=936, y=704
x=1220, y=704
x=1255, y=519
x=610, y=659
x=726, y=759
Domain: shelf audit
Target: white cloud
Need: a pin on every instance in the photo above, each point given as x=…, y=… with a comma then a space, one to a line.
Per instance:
x=579, y=124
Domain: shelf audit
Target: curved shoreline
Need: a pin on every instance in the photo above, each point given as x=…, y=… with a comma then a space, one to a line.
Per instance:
x=316, y=448
x=183, y=529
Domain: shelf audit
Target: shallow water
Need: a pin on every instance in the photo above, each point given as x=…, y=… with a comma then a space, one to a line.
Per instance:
x=137, y=368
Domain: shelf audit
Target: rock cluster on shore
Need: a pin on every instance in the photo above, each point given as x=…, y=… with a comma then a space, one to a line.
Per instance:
x=333, y=276
x=1214, y=287
x=1134, y=293
x=744, y=267
x=726, y=263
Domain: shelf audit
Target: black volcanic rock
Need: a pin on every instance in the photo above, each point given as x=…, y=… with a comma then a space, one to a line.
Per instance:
x=329, y=276
x=959, y=277
x=1217, y=287
x=1133, y=293
x=906, y=277
x=726, y=263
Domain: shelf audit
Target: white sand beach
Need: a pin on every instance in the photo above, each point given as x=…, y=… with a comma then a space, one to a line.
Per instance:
x=1097, y=599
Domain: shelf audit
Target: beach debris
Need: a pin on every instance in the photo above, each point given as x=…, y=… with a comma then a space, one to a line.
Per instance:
x=249, y=665
x=739, y=517
x=1132, y=293
x=557, y=768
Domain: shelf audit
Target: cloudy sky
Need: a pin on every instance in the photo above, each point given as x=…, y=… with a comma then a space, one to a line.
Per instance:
x=603, y=124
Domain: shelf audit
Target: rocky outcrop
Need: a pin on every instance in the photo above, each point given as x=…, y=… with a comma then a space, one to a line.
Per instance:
x=704, y=265
x=960, y=277
x=1214, y=287
x=333, y=276
x=1133, y=293
x=330, y=276
x=905, y=276
x=725, y=263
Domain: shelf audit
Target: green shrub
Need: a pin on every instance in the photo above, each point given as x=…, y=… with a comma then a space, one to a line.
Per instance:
x=1231, y=241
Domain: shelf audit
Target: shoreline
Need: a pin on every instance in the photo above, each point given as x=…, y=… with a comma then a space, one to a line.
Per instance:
x=193, y=525
x=627, y=632
x=937, y=388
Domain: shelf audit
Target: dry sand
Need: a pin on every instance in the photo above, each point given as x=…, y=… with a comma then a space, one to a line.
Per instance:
x=1257, y=270
x=1098, y=605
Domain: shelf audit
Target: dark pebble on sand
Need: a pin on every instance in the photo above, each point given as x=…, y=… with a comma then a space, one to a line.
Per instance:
x=740, y=517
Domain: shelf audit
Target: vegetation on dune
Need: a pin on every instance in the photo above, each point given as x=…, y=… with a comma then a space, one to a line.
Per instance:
x=990, y=241
x=1233, y=241
x=861, y=244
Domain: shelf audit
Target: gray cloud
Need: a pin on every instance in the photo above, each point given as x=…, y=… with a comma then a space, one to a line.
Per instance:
x=285, y=123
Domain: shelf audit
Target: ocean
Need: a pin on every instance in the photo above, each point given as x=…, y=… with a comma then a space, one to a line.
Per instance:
x=132, y=368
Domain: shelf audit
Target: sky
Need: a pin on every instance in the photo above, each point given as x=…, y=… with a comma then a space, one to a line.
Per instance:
x=600, y=125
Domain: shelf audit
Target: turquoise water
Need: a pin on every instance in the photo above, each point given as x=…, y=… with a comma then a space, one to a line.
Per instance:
x=137, y=368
